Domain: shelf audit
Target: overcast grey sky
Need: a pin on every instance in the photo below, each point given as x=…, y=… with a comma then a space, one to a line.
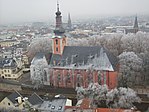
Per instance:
x=12, y=11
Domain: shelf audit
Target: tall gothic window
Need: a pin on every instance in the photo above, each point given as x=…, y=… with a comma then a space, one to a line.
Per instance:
x=99, y=78
x=58, y=77
x=45, y=75
x=89, y=77
x=79, y=80
x=68, y=78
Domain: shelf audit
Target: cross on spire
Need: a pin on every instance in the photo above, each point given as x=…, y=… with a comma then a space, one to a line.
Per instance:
x=57, y=5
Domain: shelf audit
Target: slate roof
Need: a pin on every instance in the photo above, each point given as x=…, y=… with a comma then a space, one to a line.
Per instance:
x=55, y=59
x=20, y=45
x=37, y=56
x=42, y=55
x=11, y=40
x=57, y=104
x=130, y=30
x=13, y=96
x=48, y=57
x=78, y=55
x=34, y=99
x=8, y=62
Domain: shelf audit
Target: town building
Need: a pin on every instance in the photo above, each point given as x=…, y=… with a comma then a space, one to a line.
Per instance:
x=15, y=101
x=10, y=68
x=73, y=66
x=135, y=28
x=10, y=102
x=79, y=66
x=59, y=103
x=122, y=29
x=56, y=104
x=8, y=42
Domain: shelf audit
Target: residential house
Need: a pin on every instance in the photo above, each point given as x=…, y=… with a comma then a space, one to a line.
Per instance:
x=35, y=99
x=9, y=68
x=10, y=102
x=83, y=105
x=8, y=42
x=25, y=61
x=7, y=52
x=20, y=48
x=16, y=101
x=57, y=104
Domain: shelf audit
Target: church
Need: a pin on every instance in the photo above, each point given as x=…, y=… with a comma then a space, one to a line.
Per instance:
x=76, y=66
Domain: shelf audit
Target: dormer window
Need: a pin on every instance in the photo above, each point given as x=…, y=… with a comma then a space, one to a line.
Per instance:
x=49, y=105
x=53, y=107
x=60, y=108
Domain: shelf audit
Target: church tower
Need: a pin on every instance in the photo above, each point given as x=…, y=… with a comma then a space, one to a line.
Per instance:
x=136, y=27
x=59, y=39
x=69, y=22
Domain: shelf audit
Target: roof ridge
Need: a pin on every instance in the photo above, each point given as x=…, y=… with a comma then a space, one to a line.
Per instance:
x=37, y=96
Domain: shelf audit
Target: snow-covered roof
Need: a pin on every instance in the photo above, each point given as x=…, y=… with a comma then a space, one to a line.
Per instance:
x=82, y=57
x=7, y=62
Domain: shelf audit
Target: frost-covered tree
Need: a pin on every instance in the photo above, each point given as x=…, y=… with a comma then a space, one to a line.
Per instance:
x=115, y=98
x=130, y=67
x=95, y=92
x=121, y=98
x=39, y=45
x=115, y=44
x=80, y=92
x=145, y=68
x=137, y=43
x=39, y=72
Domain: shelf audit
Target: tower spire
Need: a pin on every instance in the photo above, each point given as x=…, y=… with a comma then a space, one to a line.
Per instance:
x=69, y=21
x=136, y=27
x=59, y=30
x=59, y=40
x=136, y=22
x=57, y=6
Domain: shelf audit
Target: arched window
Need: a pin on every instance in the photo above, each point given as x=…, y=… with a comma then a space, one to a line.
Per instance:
x=89, y=77
x=99, y=78
x=56, y=41
x=79, y=80
x=68, y=78
x=57, y=49
x=58, y=77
